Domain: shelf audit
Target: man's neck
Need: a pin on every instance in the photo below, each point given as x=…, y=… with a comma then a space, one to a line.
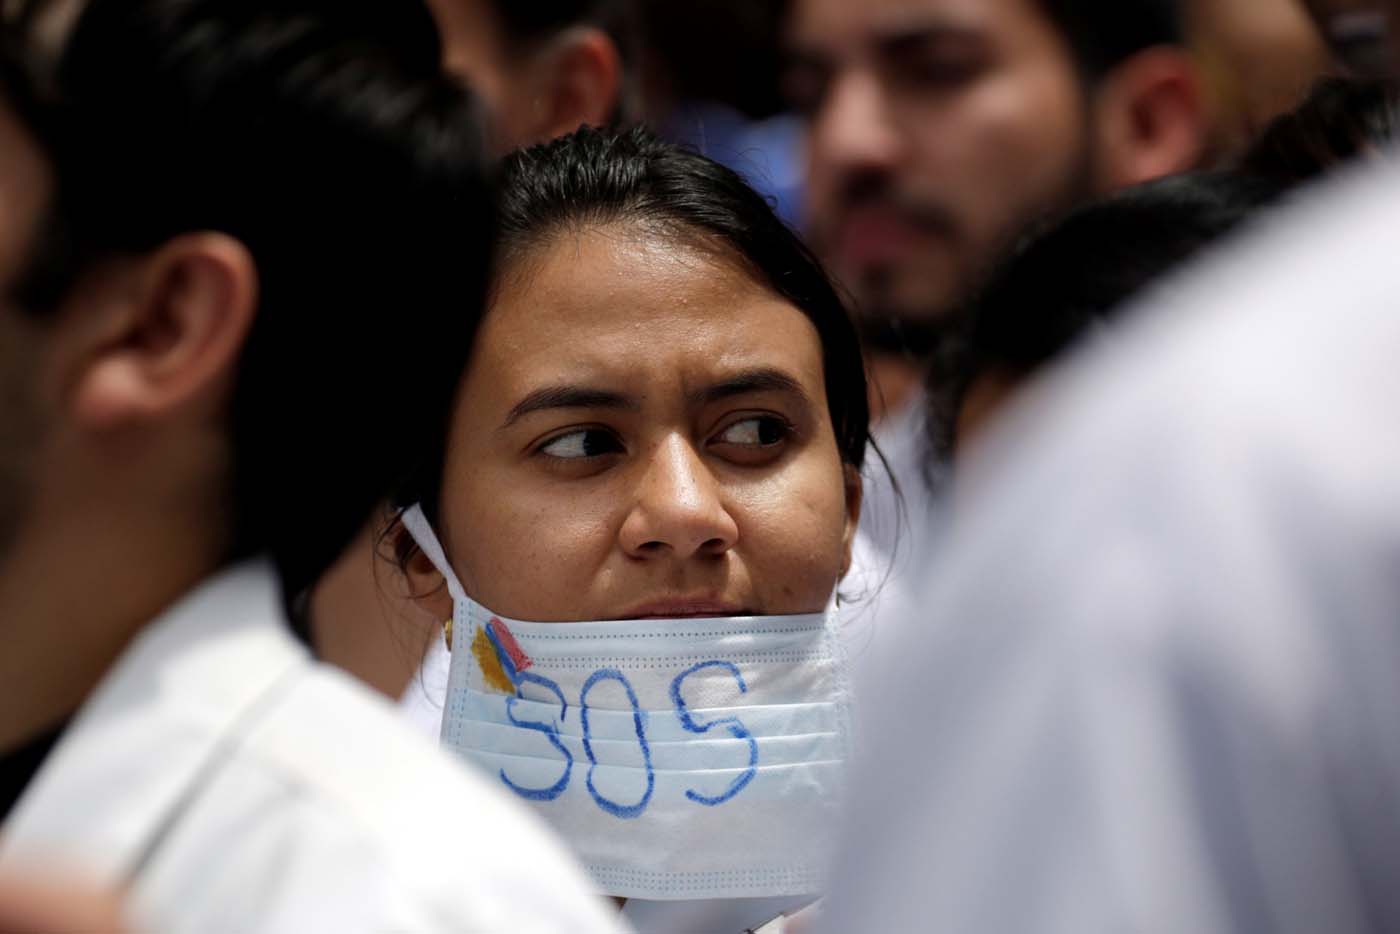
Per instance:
x=71, y=599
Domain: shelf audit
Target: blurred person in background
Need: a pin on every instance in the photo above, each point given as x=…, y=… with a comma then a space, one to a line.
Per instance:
x=939, y=130
x=1258, y=59
x=196, y=281
x=1048, y=296
x=1158, y=661
x=1044, y=297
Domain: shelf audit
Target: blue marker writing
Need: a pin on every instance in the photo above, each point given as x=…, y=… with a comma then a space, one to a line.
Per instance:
x=733, y=724
x=612, y=807
x=551, y=732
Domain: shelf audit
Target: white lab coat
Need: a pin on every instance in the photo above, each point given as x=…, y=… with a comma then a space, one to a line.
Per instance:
x=1154, y=682
x=227, y=782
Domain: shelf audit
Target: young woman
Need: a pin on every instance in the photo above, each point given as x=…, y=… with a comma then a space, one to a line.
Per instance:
x=645, y=502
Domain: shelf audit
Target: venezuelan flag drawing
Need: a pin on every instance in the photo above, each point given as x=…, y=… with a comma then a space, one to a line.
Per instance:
x=499, y=656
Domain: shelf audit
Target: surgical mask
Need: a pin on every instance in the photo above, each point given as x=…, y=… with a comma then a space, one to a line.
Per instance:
x=680, y=758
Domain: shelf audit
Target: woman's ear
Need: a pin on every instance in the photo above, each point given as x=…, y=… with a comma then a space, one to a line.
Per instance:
x=854, y=491
x=427, y=587
x=171, y=342
x=1151, y=118
x=581, y=83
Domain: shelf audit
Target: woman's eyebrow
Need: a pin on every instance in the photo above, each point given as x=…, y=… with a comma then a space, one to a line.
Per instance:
x=569, y=397
x=759, y=380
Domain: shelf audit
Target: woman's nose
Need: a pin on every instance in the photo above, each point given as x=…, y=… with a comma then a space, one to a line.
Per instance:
x=678, y=511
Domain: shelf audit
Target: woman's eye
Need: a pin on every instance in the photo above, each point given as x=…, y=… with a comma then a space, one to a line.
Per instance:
x=589, y=442
x=761, y=431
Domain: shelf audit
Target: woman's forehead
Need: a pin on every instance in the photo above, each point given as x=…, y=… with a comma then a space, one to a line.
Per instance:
x=606, y=300
x=597, y=261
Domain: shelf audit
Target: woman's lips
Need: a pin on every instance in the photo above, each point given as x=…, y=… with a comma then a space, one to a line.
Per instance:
x=685, y=609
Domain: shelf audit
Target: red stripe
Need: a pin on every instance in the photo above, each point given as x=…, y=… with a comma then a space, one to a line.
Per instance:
x=518, y=658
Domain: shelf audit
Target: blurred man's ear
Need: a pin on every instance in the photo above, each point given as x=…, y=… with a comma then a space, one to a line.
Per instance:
x=580, y=83
x=1151, y=118
x=171, y=330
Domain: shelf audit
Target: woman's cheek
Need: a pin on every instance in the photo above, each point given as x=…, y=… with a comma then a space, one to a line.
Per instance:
x=793, y=544
x=541, y=563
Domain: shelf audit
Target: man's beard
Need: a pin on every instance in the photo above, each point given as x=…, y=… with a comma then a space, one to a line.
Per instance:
x=19, y=436
x=926, y=334
x=891, y=333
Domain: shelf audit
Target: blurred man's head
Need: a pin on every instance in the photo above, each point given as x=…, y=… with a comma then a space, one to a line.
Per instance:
x=543, y=67
x=939, y=128
x=232, y=233
x=1259, y=57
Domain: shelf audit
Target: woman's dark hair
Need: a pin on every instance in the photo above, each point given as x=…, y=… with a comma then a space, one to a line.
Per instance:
x=1341, y=119
x=1078, y=272
x=322, y=135
x=595, y=177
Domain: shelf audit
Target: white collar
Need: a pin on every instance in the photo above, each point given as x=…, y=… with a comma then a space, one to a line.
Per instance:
x=156, y=719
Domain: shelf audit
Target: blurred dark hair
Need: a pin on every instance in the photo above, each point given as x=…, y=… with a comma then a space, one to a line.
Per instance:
x=1340, y=120
x=1102, y=34
x=1074, y=276
x=595, y=177
x=680, y=43
x=322, y=135
x=530, y=21
x=22, y=87
x=1357, y=33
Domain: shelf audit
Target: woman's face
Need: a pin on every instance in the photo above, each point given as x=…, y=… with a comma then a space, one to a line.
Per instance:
x=643, y=432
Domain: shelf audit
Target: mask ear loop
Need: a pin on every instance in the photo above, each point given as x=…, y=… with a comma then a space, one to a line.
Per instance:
x=421, y=529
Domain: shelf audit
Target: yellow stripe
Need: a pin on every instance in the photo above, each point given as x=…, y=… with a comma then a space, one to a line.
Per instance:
x=491, y=669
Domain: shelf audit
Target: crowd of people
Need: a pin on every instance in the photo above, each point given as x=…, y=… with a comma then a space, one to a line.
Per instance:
x=743, y=466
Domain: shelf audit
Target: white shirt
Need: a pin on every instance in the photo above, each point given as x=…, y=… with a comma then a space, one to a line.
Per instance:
x=227, y=782
x=900, y=523
x=1154, y=684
